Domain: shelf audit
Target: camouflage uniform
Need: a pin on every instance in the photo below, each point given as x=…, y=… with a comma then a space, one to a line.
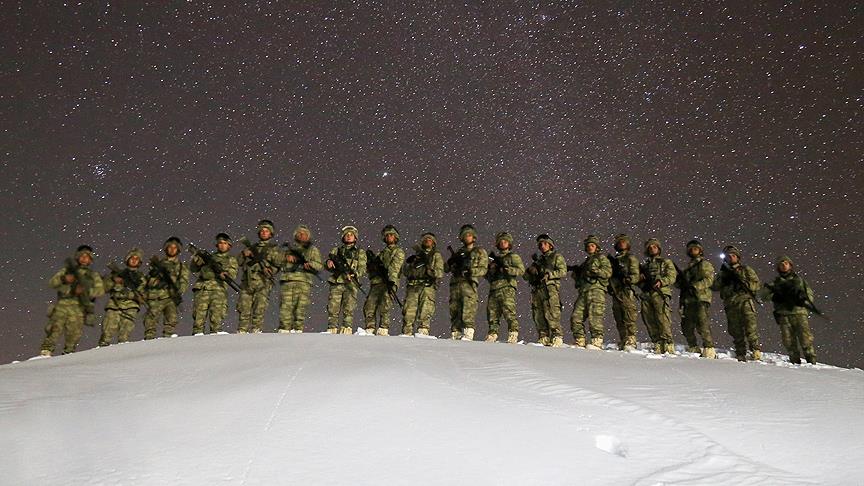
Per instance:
x=467, y=265
x=422, y=271
x=695, y=283
x=296, y=281
x=379, y=302
x=210, y=292
x=656, y=312
x=343, y=290
x=502, y=289
x=625, y=274
x=544, y=275
x=592, y=278
x=124, y=301
x=163, y=297
x=738, y=284
x=257, y=276
x=74, y=304
x=791, y=294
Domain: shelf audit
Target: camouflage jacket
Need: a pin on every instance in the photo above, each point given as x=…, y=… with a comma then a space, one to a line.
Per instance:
x=354, y=257
x=625, y=273
x=507, y=275
x=789, y=293
x=261, y=268
x=551, y=268
x=658, y=268
x=121, y=296
x=84, y=276
x=207, y=278
x=156, y=289
x=734, y=287
x=476, y=263
x=424, y=267
x=392, y=257
x=696, y=281
x=594, y=273
x=294, y=272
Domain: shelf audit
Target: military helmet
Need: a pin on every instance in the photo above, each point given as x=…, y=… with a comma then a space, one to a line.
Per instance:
x=223, y=237
x=695, y=243
x=591, y=239
x=621, y=238
x=266, y=223
x=545, y=237
x=173, y=241
x=785, y=258
x=302, y=227
x=503, y=235
x=82, y=250
x=134, y=252
x=350, y=229
x=430, y=235
x=732, y=250
x=465, y=230
x=389, y=230
x=653, y=241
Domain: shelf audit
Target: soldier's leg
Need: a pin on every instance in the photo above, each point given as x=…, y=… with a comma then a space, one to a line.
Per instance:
x=665, y=322
x=630, y=313
x=553, y=314
x=349, y=303
x=126, y=325
x=787, y=337
x=648, y=318
x=427, y=309
x=689, y=316
x=74, y=330
x=302, y=299
x=618, y=315
x=260, y=301
x=703, y=324
x=455, y=308
x=371, y=306
x=218, y=309
x=384, y=312
x=538, y=315
x=54, y=329
x=596, y=311
x=578, y=318
x=110, y=327
x=286, y=307
x=736, y=330
x=493, y=311
x=151, y=317
x=469, y=307
x=170, y=312
x=200, y=305
x=409, y=309
x=751, y=328
x=508, y=309
x=244, y=310
x=805, y=337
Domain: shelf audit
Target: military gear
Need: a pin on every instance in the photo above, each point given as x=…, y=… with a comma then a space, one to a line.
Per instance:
x=622, y=287
x=491, y=338
x=266, y=223
x=218, y=270
x=349, y=266
x=757, y=355
x=732, y=250
x=467, y=265
x=167, y=281
x=505, y=236
x=544, y=237
x=695, y=244
x=210, y=293
x=792, y=298
x=653, y=241
x=592, y=279
x=382, y=332
x=557, y=342
x=695, y=283
x=134, y=252
x=352, y=230
x=591, y=239
x=468, y=335
x=74, y=302
x=296, y=281
x=544, y=276
x=124, y=300
x=738, y=285
x=422, y=271
x=223, y=237
x=512, y=337
x=385, y=271
x=465, y=230
x=83, y=250
x=389, y=230
x=596, y=343
x=619, y=238
x=257, y=271
x=504, y=269
x=709, y=353
x=657, y=275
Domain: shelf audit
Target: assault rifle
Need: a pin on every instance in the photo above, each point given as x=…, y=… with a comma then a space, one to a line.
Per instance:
x=81, y=289
x=726, y=271
x=794, y=295
x=300, y=262
x=459, y=262
x=683, y=283
x=342, y=267
x=131, y=281
x=496, y=260
x=260, y=258
x=375, y=266
x=160, y=272
x=217, y=267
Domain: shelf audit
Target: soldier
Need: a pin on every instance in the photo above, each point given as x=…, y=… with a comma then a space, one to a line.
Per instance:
x=592, y=278
x=302, y=263
x=738, y=285
x=211, y=287
x=77, y=287
x=504, y=268
x=126, y=295
x=695, y=283
x=348, y=265
x=422, y=271
x=657, y=276
x=792, y=298
x=259, y=264
x=467, y=265
x=385, y=270
x=167, y=281
x=625, y=274
x=544, y=275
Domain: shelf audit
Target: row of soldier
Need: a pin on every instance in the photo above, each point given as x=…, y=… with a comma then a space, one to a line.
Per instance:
x=634, y=286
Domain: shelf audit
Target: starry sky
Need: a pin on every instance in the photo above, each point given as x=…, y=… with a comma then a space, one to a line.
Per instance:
x=124, y=123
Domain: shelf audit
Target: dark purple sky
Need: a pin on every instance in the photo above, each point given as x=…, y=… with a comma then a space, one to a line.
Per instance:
x=125, y=124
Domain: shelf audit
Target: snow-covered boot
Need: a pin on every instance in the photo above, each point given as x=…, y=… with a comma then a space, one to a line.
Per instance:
x=332, y=330
x=241, y=331
x=382, y=331
x=579, y=342
x=659, y=348
x=693, y=349
x=455, y=335
x=512, y=337
x=670, y=348
x=468, y=334
x=596, y=343
x=370, y=331
x=284, y=331
x=423, y=331
x=757, y=355
x=544, y=340
x=709, y=353
x=491, y=337
x=345, y=330
x=557, y=342
x=45, y=353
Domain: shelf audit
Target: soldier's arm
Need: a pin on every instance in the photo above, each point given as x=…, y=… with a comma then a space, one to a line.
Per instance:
x=361, y=264
x=183, y=281
x=559, y=269
x=437, y=270
x=705, y=276
x=602, y=267
x=98, y=287
x=516, y=267
x=632, y=269
x=668, y=274
x=56, y=281
x=479, y=262
x=313, y=258
x=808, y=290
x=395, y=267
x=752, y=279
x=231, y=267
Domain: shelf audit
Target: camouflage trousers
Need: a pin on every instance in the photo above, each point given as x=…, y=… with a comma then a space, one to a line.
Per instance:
x=624, y=310
x=376, y=309
x=66, y=320
x=295, y=297
x=694, y=317
x=546, y=311
x=741, y=319
x=463, y=305
x=340, y=305
x=212, y=303
x=657, y=317
x=157, y=309
x=251, y=306
x=502, y=303
x=796, y=335
x=590, y=305
x=419, y=306
x=118, y=323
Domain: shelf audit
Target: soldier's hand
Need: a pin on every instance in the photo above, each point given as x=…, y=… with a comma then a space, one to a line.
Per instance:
x=197, y=260
x=308, y=266
x=68, y=278
x=118, y=280
x=330, y=264
x=268, y=271
x=657, y=285
x=247, y=253
x=291, y=259
x=79, y=289
x=532, y=270
x=224, y=276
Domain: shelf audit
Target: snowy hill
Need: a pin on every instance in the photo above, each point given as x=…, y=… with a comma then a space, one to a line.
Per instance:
x=314, y=409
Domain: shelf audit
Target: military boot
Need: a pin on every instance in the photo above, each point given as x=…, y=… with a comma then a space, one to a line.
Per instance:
x=370, y=331
x=382, y=331
x=709, y=353
x=345, y=330
x=659, y=348
x=332, y=330
x=468, y=335
x=630, y=343
x=512, y=337
x=45, y=353
x=491, y=337
x=596, y=343
x=757, y=355
x=544, y=340
x=670, y=348
x=455, y=335
x=693, y=349
x=579, y=342
x=241, y=331
x=557, y=342
x=423, y=331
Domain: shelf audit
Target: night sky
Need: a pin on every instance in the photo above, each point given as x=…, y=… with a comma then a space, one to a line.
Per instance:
x=123, y=124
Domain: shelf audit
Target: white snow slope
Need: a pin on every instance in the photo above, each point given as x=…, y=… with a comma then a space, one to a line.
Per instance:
x=331, y=409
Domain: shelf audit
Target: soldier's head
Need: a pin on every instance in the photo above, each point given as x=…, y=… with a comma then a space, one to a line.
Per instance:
x=265, y=229
x=428, y=240
x=133, y=258
x=653, y=247
x=467, y=234
x=622, y=243
x=302, y=234
x=545, y=243
x=172, y=246
x=591, y=244
x=84, y=255
x=349, y=235
x=784, y=264
x=504, y=241
x=390, y=235
x=694, y=249
x=732, y=255
x=223, y=242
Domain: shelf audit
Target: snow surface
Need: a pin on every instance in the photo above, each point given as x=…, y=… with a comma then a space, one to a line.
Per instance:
x=333, y=409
